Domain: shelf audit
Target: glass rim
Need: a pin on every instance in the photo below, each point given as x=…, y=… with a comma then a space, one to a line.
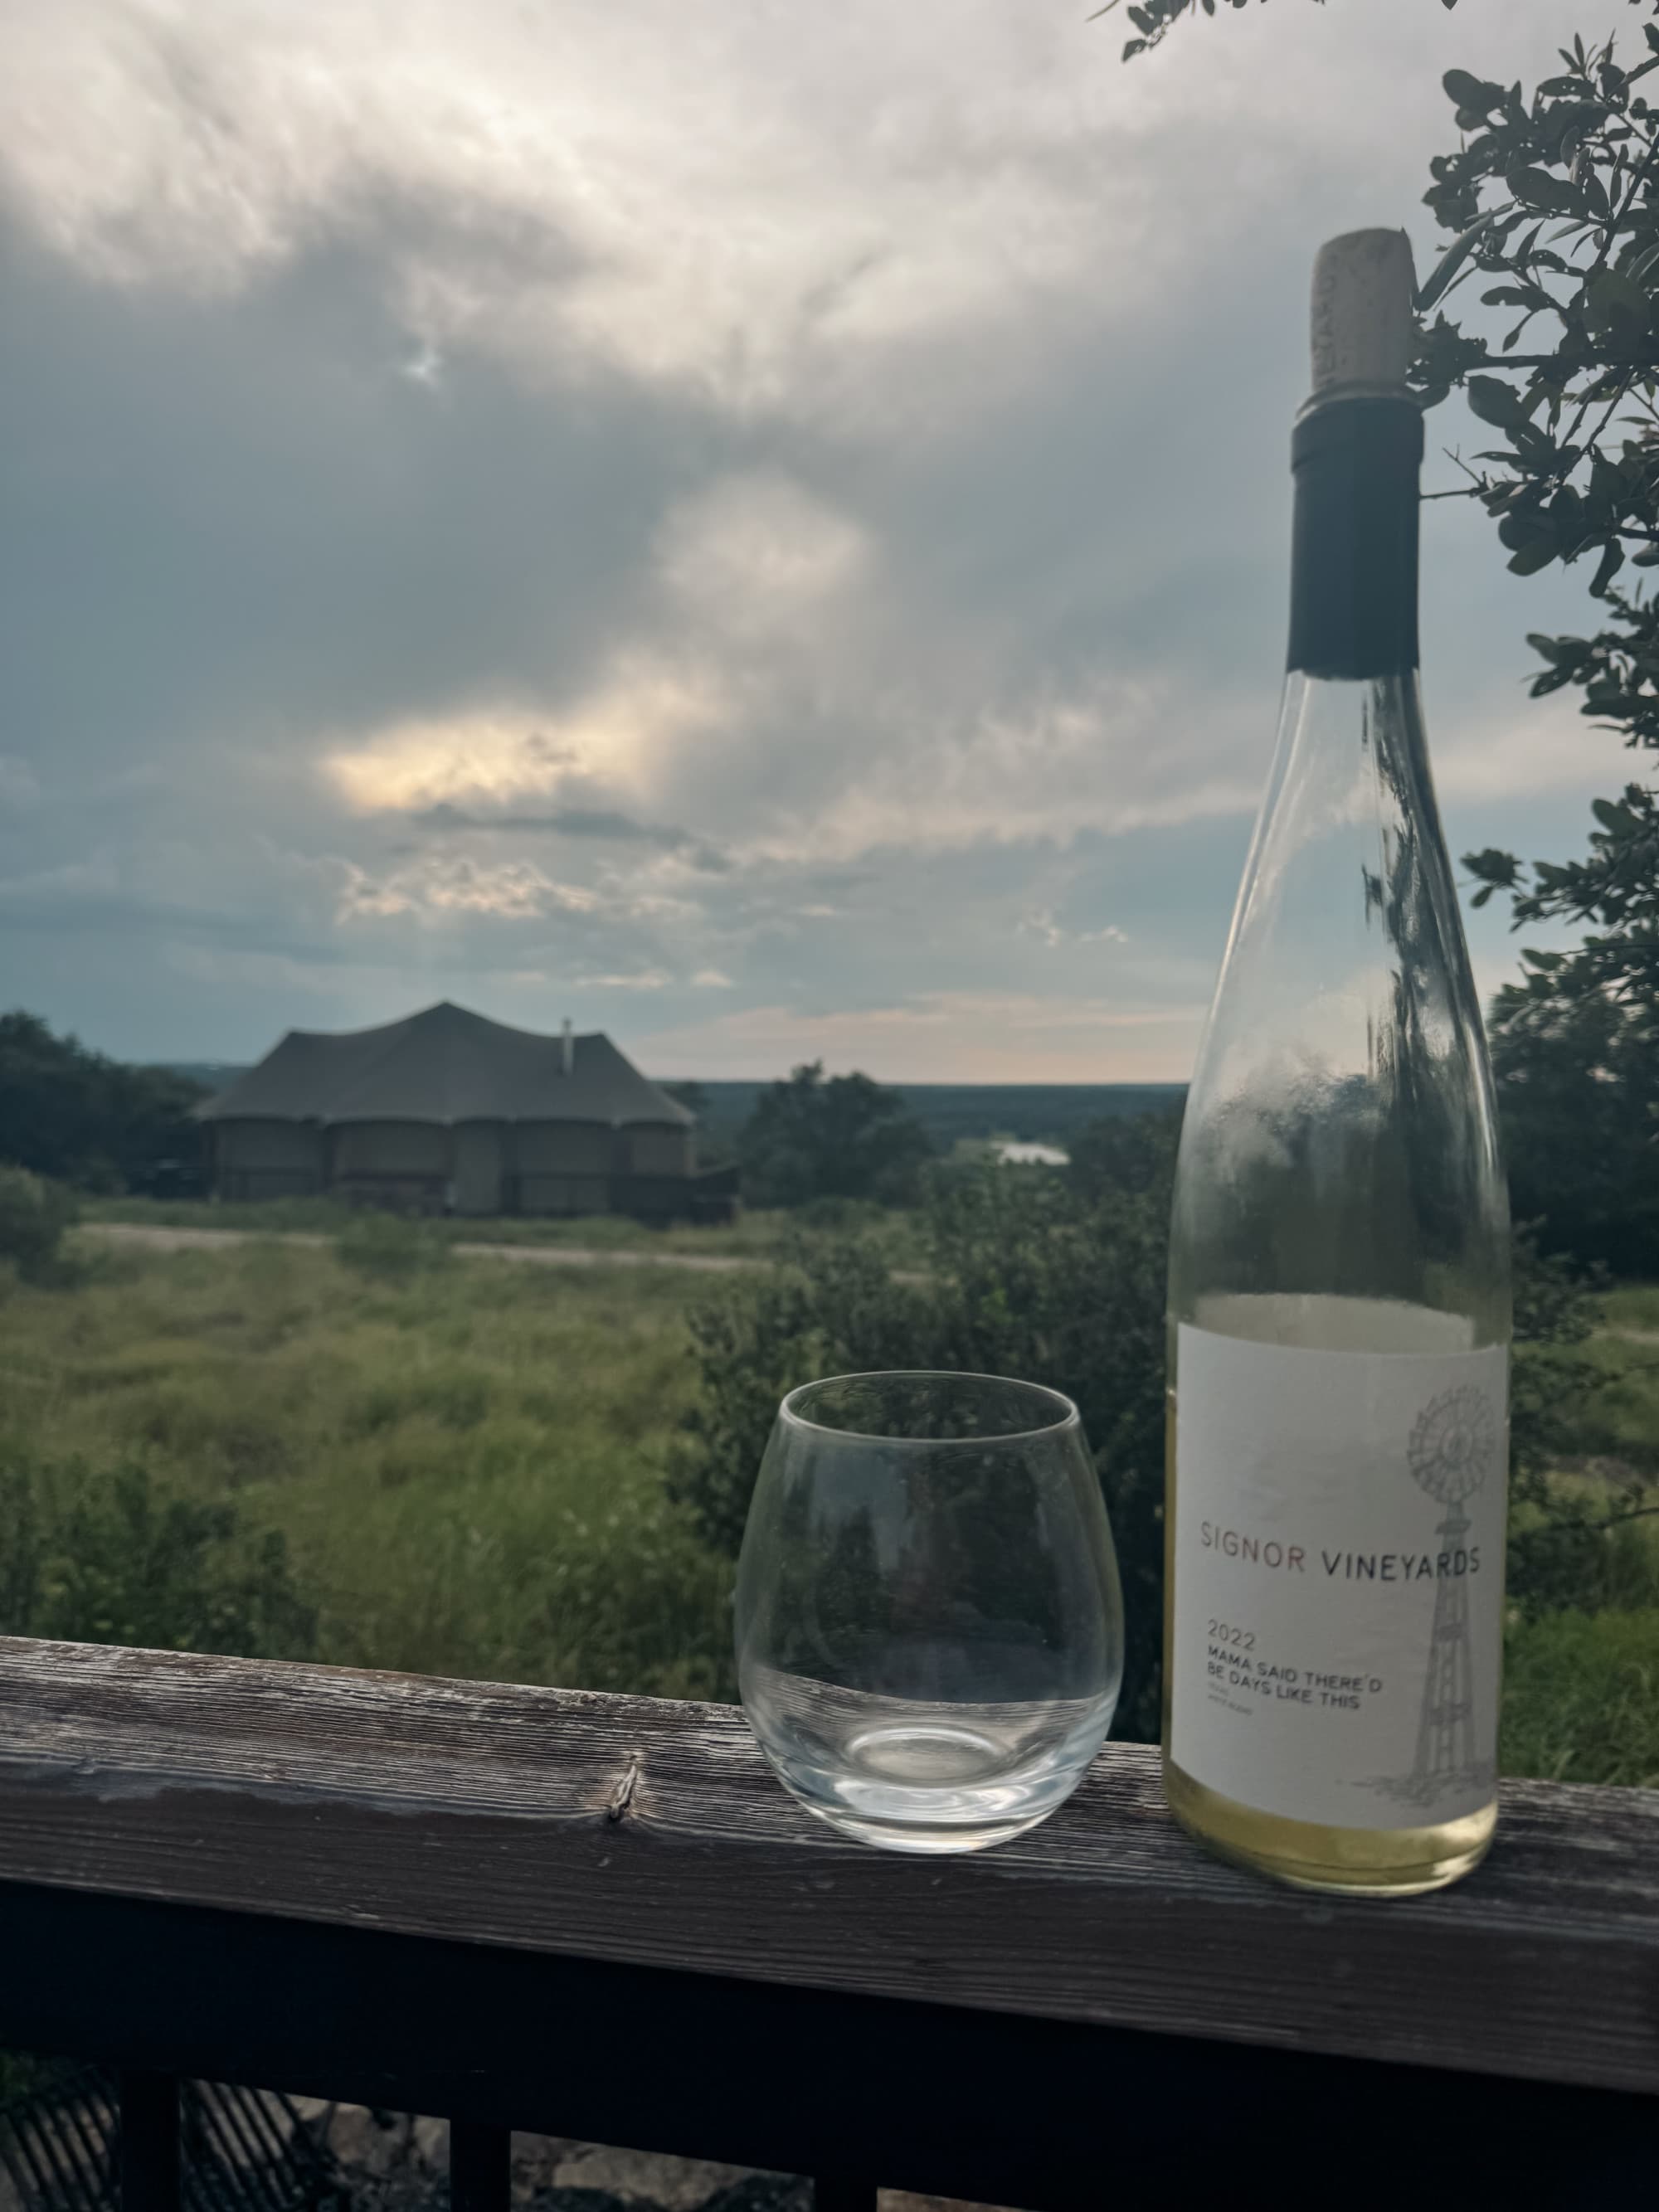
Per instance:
x=1066, y=1415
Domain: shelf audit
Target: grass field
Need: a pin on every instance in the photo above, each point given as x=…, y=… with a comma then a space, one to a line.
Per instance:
x=467, y=1461
x=757, y=1232
x=468, y=1465
x=1581, y=1700
x=753, y=1235
x=1622, y=1424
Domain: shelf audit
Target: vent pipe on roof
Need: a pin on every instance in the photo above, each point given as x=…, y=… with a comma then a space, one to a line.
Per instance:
x=568, y=1050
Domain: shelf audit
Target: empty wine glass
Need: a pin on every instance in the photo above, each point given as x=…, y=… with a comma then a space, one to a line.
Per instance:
x=929, y=1623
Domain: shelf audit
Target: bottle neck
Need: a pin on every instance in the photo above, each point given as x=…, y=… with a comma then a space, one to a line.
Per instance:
x=1353, y=564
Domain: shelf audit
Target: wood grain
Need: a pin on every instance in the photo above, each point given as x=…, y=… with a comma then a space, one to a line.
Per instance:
x=635, y=1831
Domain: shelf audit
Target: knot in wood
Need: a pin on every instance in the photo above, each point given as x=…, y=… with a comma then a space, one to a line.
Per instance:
x=622, y=1795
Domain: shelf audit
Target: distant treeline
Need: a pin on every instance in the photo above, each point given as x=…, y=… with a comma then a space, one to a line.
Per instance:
x=1034, y=1113
x=815, y=1137
x=84, y=1119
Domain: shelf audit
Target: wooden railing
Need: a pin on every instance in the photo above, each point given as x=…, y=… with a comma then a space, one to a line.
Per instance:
x=600, y=1917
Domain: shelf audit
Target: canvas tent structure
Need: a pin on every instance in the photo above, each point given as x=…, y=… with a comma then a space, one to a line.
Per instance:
x=448, y=1112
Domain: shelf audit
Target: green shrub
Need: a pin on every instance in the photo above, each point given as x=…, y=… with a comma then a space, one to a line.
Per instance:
x=113, y=1559
x=1062, y=1278
x=1127, y=1151
x=1579, y=1537
x=842, y=1136
x=831, y=1308
x=842, y=1217
x=34, y=1214
x=389, y=1248
x=1023, y=1279
x=1581, y=1699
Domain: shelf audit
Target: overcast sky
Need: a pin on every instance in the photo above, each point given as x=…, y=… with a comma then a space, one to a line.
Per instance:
x=760, y=527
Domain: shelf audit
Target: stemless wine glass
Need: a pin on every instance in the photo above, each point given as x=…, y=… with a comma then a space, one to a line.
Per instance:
x=929, y=1623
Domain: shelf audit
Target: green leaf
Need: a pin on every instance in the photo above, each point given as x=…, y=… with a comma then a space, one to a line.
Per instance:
x=1538, y=189
x=1612, y=560
x=1531, y=558
x=1450, y=262
x=1609, y=297
x=1473, y=93
x=1494, y=866
x=1553, y=680
x=1494, y=402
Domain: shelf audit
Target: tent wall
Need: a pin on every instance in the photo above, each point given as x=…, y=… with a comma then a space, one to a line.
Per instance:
x=255, y=1160
x=391, y=1148
x=480, y=1151
x=477, y=1168
x=561, y=1148
x=667, y=1151
x=561, y=1166
x=402, y=1164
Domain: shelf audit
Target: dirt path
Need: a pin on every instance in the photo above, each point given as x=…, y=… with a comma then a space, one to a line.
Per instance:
x=1631, y=1335
x=153, y=1238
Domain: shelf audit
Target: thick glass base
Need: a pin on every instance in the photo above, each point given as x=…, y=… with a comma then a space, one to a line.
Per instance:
x=1350, y=1861
x=933, y=1842
x=932, y=1786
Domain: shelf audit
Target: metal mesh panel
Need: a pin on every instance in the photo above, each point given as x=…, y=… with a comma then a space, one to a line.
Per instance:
x=242, y=2150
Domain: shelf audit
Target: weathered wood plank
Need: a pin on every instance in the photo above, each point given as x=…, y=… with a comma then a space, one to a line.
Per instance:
x=499, y=1816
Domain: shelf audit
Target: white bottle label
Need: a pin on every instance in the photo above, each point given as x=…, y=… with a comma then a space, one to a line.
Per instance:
x=1338, y=1578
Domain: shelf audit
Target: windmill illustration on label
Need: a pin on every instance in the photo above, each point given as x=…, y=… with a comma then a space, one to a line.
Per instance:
x=1453, y=1446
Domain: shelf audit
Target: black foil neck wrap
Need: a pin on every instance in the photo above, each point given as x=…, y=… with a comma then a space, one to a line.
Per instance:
x=1353, y=563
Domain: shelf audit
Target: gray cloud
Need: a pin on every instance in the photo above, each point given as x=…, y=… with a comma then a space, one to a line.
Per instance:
x=606, y=824
x=484, y=517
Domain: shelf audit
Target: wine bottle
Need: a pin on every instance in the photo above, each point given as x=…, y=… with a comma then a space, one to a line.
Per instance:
x=1338, y=1272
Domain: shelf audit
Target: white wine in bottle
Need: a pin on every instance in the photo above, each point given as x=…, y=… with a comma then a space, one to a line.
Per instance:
x=1339, y=1273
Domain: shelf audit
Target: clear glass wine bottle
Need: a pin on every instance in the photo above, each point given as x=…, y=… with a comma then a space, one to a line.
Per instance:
x=1339, y=1287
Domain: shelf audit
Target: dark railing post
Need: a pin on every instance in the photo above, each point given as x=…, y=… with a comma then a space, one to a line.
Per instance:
x=480, y=2167
x=830, y=2193
x=149, y=2142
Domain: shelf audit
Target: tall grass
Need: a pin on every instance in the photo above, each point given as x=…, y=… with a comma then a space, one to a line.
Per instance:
x=1621, y=1422
x=758, y=1235
x=1581, y=1699
x=1632, y=1306
x=1581, y=1694
x=466, y=1460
